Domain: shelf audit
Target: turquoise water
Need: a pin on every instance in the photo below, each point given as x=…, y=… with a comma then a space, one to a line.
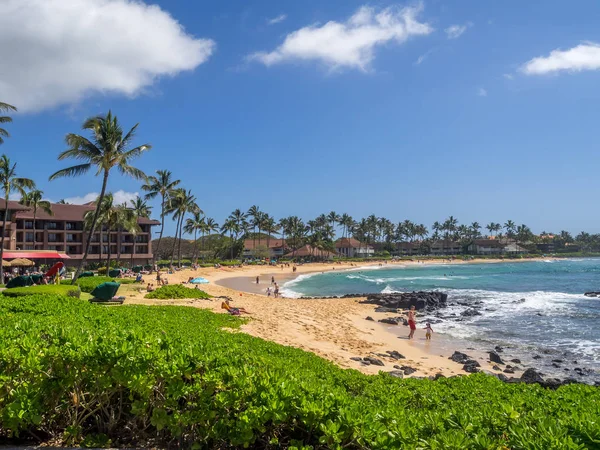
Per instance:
x=529, y=306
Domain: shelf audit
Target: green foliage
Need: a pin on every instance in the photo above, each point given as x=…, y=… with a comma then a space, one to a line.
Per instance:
x=123, y=376
x=88, y=284
x=175, y=291
x=49, y=289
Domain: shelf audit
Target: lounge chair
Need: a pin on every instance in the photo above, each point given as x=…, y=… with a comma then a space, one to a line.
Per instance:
x=106, y=293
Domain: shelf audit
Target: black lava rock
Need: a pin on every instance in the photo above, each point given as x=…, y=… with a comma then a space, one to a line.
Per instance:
x=516, y=360
x=420, y=300
x=397, y=373
x=531, y=376
x=495, y=358
x=459, y=357
x=370, y=318
x=374, y=361
x=394, y=354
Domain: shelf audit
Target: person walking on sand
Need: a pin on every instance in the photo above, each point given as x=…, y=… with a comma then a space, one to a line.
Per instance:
x=257, y=279
x=272, y=280
x=428, y=331
x=412, y=323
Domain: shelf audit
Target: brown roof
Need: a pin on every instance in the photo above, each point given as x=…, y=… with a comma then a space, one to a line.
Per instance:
x=74, y=213
x=349, y=242
x=308, y=250
x=249, y=244
x=15, y=206
x=488, y=243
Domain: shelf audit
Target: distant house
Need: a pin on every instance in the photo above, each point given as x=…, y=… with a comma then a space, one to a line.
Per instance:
x=276, y=247
x=352, y=248
x=547, y=247
x=512, y=248
x=309, y=251
x=408, y=248
x=486, y=247
x=445, y=248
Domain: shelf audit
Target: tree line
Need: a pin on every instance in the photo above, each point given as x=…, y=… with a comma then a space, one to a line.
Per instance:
x=109, y=148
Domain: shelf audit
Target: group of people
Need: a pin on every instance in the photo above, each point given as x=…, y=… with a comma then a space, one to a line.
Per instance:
x=274, y=285
x=412, y=324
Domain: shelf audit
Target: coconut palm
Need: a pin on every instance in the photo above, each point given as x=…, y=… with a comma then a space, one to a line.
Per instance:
x=231, y=226
x=5, y=107
x=10, y=182
x=333, y=218
x=254, y=214
x=510, y=228
x=34, y=200
x=192, y=226
x=140, y=208
x=109, y=148
x=160, y=184
x=182, y=203
x=105, y=218
x=208, y=226
x=270, y=227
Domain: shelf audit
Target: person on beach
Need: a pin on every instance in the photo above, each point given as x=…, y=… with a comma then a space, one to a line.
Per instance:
x=276, y=291
x=231, y=310
x=272, y=280
x=412, y=323
x=428, y=331
x=257, y=280
x=268, y=292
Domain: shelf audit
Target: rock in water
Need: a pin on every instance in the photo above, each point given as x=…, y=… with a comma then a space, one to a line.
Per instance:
x=420, y=300
x=495, y=358
x=531, y=376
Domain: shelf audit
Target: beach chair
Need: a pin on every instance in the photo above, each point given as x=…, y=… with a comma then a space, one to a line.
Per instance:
x=106, y=293
x=21, y=281
x=86, y=274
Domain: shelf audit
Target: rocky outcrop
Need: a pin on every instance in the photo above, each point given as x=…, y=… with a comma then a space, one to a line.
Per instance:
x=495, y=358
x=592, y=294
x=394, y=320
x=459, y=357
x=420, y=300
x=531, y=376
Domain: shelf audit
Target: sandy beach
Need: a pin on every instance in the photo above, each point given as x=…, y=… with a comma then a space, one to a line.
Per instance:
x=335, y=329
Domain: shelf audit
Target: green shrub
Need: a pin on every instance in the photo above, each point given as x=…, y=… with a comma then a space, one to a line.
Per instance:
x=49, y=289
x=134, y=374
x=88, y=284
x=101, y=271
x=174, y=291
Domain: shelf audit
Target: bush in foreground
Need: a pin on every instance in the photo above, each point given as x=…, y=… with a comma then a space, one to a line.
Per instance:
x=176, y=291
x=49, y=289
x=172, y=376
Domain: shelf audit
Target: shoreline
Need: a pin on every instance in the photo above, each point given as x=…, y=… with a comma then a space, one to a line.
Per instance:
x=335, y=329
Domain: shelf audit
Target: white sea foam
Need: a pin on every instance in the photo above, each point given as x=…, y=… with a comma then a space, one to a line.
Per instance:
x=388, y=290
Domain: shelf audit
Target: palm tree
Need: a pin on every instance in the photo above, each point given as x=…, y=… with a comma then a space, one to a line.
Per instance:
x=209, y=225
x=106, y=218
x=62, y=201
x=254, y=213
x=192, y=226
x=34, y=200
x=9, y=182
x=230, y=226
x=5, y=107
x=510, y=228
x=333, y=218
x=107, y=149
x=183, y=202
x=140, y=208
x=270, y=227
x=162, y=184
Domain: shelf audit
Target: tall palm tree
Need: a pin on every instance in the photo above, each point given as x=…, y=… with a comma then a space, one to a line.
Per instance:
x=192, y=226
x=333, y=218
x=10, y=182
x=230, y=226
x=5, y=107
x=183, y=202
x=130, y=220
x=34, y=200
x=510, y=228
x=162, y=184
x=254, y=214
x=108, y=148
x=209, y=225
x=106, y=218
x=270, y=227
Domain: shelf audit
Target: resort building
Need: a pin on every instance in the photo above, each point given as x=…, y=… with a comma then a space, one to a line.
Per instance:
x=309, y=251
x=273, y=248
x=63, y=233
x=486, y=247
x=440, y=248
x=352, y=248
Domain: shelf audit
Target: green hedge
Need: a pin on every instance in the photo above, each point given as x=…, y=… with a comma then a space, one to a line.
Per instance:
x=172, y=376
x=175, y=291
x=51, y=289
x=88, y=284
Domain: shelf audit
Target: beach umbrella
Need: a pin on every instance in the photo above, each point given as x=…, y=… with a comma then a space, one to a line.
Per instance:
x=199, y=280
x=22, y=262
x=5, y=264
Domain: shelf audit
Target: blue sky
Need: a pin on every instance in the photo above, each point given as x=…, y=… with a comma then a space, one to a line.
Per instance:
x=420, y=113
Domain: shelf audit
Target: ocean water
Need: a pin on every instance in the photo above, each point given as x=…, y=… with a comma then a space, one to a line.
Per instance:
x=529, y=307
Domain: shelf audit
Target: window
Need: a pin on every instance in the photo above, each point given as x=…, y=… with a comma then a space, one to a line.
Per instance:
x=28, y=237
x=52, y=237
x=29, y=224
x=51, y=226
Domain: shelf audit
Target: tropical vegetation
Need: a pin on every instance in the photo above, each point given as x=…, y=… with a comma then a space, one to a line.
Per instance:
x=77, y=374
x=176, y=291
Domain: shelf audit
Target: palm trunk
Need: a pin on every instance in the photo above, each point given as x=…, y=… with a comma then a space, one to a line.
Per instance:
x=7, y=194
x=34, y=214
x=180, y=239
x=93, y=227
x=202, y=245
x=109, y=254
x=162, y=228
x=175, y=241
x=194, y=258
x=231, y=237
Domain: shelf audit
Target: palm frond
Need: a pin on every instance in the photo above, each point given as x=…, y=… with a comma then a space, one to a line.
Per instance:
x=135, y=152
x=71, y=171
x=128, y=138
x=23, y=183
x=7, y=107
x=133, y=172
x=5, y=119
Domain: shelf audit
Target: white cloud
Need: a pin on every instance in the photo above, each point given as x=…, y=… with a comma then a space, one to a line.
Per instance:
x=585, y=56
x=423, y=57
x=455, y=31
x=350, y=44
x=509, y=76
x=280, y=18
x=482, y=92
x=56, y=52
x=118, y=197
